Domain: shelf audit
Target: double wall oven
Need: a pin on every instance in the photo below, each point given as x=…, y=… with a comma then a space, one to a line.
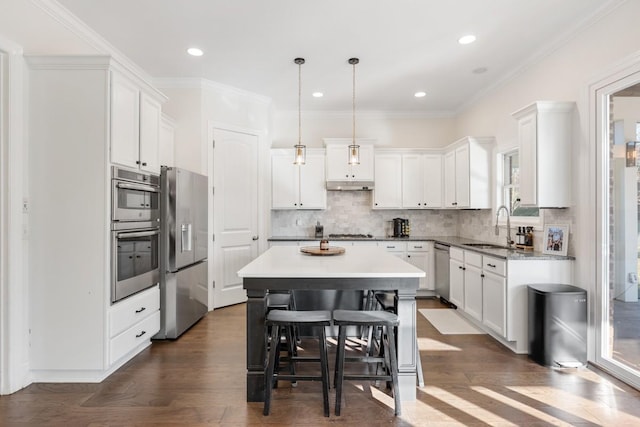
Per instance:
x=135, y=232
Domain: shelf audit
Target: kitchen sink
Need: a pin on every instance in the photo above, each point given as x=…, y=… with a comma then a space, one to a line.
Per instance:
x=485, y=246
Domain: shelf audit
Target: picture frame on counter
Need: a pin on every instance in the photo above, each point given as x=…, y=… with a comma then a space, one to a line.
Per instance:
x=555, y=239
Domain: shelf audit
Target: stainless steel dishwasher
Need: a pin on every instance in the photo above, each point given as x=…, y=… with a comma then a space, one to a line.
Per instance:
x=442, y=272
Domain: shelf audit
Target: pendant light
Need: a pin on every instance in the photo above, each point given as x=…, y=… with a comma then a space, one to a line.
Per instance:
x=300, y=149
x=354, y=149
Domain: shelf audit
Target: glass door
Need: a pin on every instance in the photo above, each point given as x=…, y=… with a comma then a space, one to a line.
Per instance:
x=618, y=303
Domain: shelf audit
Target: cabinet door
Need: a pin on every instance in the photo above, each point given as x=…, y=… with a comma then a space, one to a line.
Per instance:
x=284, y=182
x=527, y=135
x=150, y=115
x=338, y=168
x=473, y=291
x=432, y=181
x=313, y=193
x=364, y=170
x=494, y=300
x=450, y=179
x=413, y=181
x=125, y=120
x=421, y=260
x=456, y=283
x=462, y=176
x=388, y=182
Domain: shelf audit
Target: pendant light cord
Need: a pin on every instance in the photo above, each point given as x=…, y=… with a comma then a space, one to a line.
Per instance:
x=299, y=102
x=354, y=103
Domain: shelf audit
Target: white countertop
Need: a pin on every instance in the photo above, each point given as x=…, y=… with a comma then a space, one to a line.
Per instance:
x=356, y=262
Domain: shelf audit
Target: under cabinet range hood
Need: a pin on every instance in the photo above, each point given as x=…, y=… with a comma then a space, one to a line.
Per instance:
x=350, y=185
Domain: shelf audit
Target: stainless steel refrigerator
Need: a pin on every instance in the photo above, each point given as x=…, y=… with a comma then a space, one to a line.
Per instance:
x=184, y=291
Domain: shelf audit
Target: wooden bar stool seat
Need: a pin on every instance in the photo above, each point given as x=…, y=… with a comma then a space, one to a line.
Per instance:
x=286, y=319
x=365, y=318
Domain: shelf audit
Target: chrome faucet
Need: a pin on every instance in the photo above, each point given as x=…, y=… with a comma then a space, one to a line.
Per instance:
x=509, y=241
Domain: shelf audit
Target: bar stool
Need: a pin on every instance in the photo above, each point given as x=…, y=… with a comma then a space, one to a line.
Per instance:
x=278, y=319
x=388, y=321
x=282, y=301
x=387, y=301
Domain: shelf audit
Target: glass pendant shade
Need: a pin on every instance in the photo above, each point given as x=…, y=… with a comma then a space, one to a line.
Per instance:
x=354, y=154
x=300, y=154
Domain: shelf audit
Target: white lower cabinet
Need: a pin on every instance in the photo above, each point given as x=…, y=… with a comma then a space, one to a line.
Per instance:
x=132, y=322
x=456, y=277
x=492, y=292
x=473, y=284
x=494, y=299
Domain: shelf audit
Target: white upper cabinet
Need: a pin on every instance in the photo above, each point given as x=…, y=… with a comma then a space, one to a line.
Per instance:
x=467, y=173
x=298, y=187
x=421, y=181
x=388, y=181
x=544, y=137
x=338, y=167
x=135, y=125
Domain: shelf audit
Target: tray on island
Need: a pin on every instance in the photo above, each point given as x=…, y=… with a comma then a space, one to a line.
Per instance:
x=315, y=250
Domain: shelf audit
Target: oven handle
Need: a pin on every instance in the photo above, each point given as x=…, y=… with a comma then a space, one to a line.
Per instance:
x=138, y=233
x=140, y=187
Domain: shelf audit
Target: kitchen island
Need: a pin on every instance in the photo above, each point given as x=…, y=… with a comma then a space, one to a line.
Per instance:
x=360, y=268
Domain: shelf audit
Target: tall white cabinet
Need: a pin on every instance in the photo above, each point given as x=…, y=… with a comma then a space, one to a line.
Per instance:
x=388, y=184
x=71, y=120
x=421, y=181
x=544, y=137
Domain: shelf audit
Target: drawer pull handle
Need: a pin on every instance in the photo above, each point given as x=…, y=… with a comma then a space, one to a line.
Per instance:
x=418, y=247
x=141, y=309
x=141, y=334
x=491, y=265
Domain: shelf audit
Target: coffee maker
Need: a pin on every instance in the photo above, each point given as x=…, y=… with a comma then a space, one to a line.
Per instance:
x=400, y=227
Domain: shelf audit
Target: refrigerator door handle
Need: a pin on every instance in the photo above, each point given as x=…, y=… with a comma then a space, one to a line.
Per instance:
x=185, y=233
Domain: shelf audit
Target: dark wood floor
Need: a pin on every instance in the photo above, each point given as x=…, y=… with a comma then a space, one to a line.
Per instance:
x=200, y=380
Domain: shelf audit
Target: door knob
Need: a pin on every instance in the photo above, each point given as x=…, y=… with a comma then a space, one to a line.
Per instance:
x=255, y=238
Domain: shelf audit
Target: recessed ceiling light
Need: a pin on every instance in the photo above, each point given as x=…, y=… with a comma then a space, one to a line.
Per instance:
x=318, y=94
x=480, y=70
x=420, y=94
x=469, y=38
x=194, y=51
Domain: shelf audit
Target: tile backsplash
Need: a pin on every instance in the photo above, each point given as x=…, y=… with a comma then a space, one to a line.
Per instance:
x=350, y=212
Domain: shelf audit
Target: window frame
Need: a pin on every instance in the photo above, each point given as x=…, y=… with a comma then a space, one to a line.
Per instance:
x=535, y=221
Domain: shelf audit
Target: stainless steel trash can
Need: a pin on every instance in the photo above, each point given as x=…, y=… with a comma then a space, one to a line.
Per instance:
x=557, y=325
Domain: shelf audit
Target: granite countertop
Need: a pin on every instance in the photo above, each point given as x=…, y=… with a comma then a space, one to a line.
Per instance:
x=460, y=242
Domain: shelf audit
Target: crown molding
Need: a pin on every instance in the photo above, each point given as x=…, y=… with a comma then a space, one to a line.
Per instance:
x=204, y=84
x=89, y=36
x=368, y=114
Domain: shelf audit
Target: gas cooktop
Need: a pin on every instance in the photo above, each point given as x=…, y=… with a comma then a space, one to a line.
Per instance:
x=350, y=236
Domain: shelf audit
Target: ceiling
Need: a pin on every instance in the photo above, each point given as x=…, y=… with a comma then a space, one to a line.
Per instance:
x=404, y=46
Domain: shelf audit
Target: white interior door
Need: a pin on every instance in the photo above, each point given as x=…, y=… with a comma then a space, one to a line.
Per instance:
x=235, y=212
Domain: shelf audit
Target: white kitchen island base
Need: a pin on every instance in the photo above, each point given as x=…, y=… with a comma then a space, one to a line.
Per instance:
x=360, y=268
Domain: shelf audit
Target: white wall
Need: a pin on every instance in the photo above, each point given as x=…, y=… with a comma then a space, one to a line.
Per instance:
x=564, y=75
x=390, y=130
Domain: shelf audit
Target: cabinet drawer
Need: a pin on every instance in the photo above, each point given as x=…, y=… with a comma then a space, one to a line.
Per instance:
x=394, y=246
x=456, y=253
x=418, y=246
x=127, y=313
x=473, y=258
x=134, y=336
x=495, y=265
